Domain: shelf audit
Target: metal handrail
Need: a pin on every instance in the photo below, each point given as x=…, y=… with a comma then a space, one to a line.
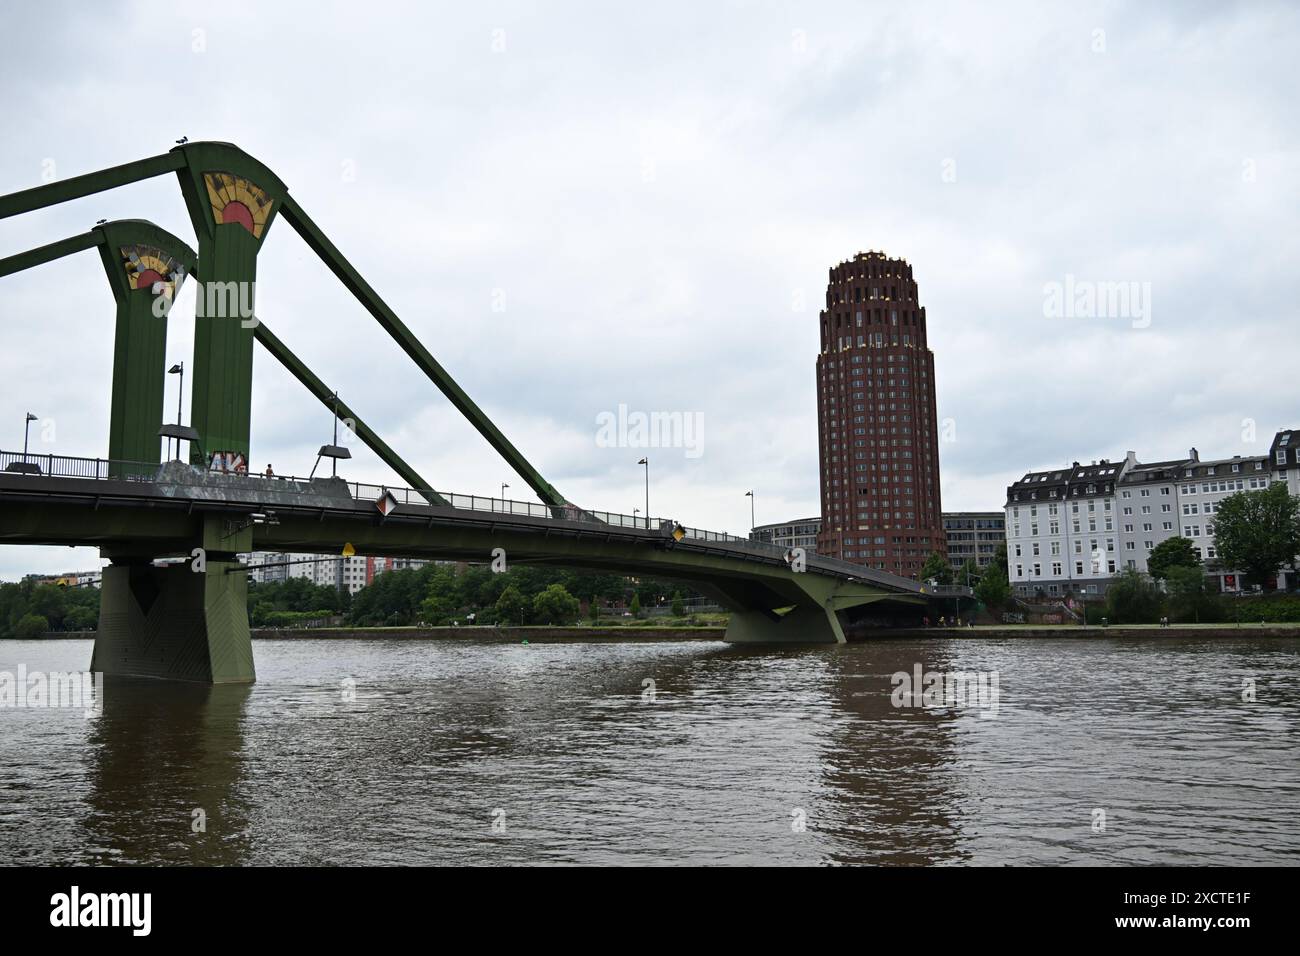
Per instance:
x=65, y=466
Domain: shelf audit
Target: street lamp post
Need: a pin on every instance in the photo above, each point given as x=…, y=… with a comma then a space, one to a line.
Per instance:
x=646, y=461
x=504, y=486
x=27, y=425
x=334, y=462
x=752, y=523
x=178, y=369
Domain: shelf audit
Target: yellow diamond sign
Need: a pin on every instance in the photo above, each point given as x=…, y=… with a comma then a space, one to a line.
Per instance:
x=348, y=550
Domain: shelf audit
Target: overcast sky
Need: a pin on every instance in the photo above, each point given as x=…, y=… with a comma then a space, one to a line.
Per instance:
x=584, y=206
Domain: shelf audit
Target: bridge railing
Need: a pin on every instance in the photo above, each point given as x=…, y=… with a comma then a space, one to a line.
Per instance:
x=66, y=466
x=960, y=590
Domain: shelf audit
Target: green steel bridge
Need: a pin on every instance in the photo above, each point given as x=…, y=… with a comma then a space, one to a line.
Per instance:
x=187, y=619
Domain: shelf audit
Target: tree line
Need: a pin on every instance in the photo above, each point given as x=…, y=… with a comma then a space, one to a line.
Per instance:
x=438, y=594
x=28, y=609
x=433, y=595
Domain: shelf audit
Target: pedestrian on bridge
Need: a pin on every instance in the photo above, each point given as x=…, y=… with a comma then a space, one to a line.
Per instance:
x=269, y=472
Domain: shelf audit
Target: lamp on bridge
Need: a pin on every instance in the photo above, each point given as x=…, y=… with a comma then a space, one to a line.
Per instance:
x=180, y=433
x=333, y=452
x=177, y=369
x=24, y=467
x=752, y=523
x=646, y=461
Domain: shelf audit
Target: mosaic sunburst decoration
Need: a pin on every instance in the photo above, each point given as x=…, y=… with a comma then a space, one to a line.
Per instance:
x=148, y=265
x=238, y=200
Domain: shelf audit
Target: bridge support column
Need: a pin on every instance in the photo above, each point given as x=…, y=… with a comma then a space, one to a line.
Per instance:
x=174, y=623
x=801, y=625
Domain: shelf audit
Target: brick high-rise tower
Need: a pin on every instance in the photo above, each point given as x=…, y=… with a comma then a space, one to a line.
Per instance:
x=879, y=439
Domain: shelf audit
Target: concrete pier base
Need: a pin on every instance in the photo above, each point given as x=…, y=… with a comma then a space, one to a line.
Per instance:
x=174, y=623
x=802, y=625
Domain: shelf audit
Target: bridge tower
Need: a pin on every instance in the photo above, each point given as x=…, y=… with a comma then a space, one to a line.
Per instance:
x=189, y=621
x=146, y=266
x=232, y=201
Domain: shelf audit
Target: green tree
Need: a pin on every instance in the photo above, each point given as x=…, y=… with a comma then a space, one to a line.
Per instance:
x=994, y=588
x=1256, y=532
x=555, y=605
x=968, y=574
x=635, y=607
x=1175, y=552
x=679, y=609
x=512, y=607
x=1133, y=598
x=937, y=568
x=1000, y=557
x=443, y=595
x=30, y=626
x=1190, y=598
x=81, y=618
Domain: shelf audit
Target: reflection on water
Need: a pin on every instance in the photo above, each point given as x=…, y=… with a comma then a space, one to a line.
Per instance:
x=164, y=763
x=427, y=752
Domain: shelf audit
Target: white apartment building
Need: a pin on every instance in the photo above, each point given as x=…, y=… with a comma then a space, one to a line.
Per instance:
x=1284, y=457
x=1069, y=531
x=339, y=572
x=329, y=570
x=1062, y=529
x=1148, y=508
x=267, y=567
x=1201, y=486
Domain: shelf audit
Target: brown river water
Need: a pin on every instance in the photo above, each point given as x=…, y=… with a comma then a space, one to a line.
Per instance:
x=459, y=752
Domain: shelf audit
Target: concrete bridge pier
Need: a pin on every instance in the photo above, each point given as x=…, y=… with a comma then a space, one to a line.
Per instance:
x=174, y=622
x=800, y=625
x=805, y=608
x=186, y=621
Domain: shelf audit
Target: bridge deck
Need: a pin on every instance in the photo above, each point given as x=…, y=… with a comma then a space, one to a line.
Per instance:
x=133, y=502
